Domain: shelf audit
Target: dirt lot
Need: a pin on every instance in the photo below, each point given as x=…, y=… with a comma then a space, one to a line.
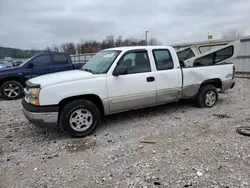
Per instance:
x=176, y=145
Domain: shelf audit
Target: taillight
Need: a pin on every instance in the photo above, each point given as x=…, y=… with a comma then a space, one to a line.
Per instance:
x=233, y=71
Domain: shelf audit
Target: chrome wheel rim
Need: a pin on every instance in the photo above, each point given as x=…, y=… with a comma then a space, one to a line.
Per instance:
x=210, y=98
x=11, y=90
x=80, y=120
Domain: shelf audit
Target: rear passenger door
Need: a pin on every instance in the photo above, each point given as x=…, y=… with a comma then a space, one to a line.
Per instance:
x=168, y=76
x=60, y=63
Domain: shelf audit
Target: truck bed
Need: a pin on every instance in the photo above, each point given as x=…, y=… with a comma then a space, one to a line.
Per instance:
x=194, y=76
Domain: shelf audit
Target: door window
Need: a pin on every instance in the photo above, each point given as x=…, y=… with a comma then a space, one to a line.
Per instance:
x=60, y=59
x=163, y=60
x=41, y=61
x=136, y=62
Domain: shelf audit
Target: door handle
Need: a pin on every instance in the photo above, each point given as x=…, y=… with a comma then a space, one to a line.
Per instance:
x=150, y=79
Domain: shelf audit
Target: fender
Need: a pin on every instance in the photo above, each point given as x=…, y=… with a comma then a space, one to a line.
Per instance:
x=214, y=81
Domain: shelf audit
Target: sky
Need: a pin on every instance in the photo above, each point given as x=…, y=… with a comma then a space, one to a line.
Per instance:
x=30, y=24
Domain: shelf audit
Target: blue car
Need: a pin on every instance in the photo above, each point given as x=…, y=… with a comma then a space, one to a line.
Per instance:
x=13, y=79
x=2, y=66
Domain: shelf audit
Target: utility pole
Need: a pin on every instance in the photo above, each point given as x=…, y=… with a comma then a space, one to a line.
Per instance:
x=146, y=37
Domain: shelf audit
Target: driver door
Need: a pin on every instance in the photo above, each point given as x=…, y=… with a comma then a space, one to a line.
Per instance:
x=137, y=88
x=41, y=65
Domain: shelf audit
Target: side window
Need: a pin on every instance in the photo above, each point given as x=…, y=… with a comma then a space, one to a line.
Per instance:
x=163, y=60
x=136, y=62
x=204, y=49
x=215, y=57
x=224, y=54
x=204, y=61
x=129, y=57
x=41, y=61
x=60, y=59
x=185, y=54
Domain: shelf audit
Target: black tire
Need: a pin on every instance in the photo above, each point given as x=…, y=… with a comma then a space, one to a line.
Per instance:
x=73, y=107
x=202, y=96
x=13, y=96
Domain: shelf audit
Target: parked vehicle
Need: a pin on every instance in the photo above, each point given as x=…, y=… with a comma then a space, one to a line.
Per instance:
x=2, y=66
x=122, y=79
x=12, y=80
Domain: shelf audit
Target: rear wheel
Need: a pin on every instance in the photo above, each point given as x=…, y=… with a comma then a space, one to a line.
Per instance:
x=207, y=96
x=79, y=118
x=11, y=90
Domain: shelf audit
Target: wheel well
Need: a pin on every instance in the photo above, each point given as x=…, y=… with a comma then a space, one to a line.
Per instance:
x=216, y=82
x=12, y=79
x=90, y=97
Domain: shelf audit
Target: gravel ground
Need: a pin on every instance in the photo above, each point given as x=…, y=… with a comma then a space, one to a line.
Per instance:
x=175, y=145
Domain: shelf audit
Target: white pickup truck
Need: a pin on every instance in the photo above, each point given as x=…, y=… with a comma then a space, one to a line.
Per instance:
x=126, y=78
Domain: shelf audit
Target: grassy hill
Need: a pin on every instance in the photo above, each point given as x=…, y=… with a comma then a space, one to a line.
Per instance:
x=16, y=53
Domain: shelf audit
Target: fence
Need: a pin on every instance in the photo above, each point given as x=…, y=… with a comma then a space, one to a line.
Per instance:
x=242, y=75
x=82, y=58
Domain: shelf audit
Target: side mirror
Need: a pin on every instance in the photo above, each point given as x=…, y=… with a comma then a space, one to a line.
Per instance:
x=30, y=65
x=120, y=70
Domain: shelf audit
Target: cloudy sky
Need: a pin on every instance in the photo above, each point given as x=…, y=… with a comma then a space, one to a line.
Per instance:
x=39, y=23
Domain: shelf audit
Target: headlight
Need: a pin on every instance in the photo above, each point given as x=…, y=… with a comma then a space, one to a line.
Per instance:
x=34, y=92
x=33, y=96
x=34, y=101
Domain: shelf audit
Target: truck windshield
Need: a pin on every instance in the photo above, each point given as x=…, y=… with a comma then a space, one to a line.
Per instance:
x=101, y=62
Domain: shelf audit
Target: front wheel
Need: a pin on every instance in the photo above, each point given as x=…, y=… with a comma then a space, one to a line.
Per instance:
x=79, y=118
x=11, y=90
x=207, y=96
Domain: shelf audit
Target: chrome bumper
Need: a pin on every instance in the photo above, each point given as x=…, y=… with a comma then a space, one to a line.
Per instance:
x=44, y=119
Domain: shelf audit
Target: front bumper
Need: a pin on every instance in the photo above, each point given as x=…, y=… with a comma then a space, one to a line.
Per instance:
x=45, y=117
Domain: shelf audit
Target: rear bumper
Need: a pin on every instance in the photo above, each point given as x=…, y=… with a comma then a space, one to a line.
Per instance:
x=228, y=84
x=45, y=117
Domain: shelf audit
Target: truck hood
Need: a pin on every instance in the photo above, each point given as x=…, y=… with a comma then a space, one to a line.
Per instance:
x=61, y=77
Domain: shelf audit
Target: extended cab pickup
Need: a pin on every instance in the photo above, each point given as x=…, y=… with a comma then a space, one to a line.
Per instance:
x=12, y=80
x=122, y=79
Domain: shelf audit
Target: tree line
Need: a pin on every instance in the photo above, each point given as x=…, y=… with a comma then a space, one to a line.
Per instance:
x=110, y=41
x=94, y=46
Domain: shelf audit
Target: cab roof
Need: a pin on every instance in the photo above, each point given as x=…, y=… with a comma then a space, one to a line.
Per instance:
x=136, y=48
